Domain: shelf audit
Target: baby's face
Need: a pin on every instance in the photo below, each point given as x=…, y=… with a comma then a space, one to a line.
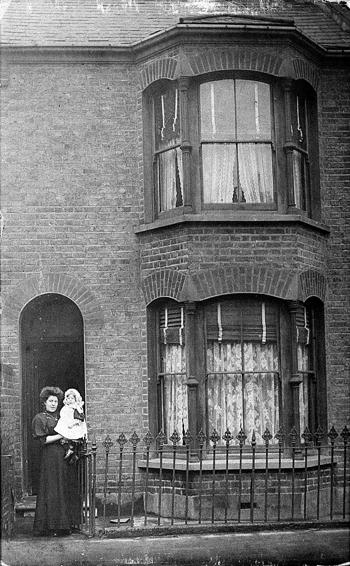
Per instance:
x=70, y=399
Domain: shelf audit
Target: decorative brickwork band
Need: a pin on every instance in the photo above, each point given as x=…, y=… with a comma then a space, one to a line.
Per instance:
x=228, y=59
x=264, y=280
x=60, y=283
x=214, y=60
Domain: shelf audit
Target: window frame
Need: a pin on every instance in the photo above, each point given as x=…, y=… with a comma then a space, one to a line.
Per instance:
x=198, y=142
x=190, y=144
x=287, y=339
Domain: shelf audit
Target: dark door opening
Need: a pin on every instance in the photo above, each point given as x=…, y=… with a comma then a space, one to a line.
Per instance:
x=52, y=354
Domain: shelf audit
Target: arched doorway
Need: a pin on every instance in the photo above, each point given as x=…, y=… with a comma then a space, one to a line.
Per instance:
x=52, y=346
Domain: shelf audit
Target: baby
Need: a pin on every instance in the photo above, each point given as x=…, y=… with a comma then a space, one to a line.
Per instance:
x=72, y=425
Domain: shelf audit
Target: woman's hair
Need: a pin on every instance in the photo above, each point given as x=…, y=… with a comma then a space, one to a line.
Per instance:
x=76, y=395
x=48, y=391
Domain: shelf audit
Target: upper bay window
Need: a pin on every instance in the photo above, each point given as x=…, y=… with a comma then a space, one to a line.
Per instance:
x=232, y=141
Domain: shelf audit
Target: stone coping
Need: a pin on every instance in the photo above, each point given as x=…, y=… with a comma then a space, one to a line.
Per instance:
x=234, y=464
x=234, y=218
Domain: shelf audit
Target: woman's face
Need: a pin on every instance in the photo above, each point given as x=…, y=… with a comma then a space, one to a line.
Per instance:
x=51, y=404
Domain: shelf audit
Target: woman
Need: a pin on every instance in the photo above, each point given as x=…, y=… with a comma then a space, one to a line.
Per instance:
x=58, y=506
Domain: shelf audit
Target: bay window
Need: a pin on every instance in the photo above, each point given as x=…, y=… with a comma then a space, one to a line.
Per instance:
x=232, y=141
x=244, y=364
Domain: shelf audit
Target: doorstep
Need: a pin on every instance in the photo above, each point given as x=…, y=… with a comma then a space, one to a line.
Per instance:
x=26, y=506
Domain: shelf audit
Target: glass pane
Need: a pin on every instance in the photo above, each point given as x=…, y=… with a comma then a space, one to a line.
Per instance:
x=304, y=403
x=217, y=110
x=174, y=388
x=175, y=404
x=167, y=119
x=300, y=179
x=298, y=107
x=261, y=395
x=219, y=172
x=253, y=110
x=227, y=388
x=261, y=389
x=225, y=403
x=255, y=173
x=170, y=179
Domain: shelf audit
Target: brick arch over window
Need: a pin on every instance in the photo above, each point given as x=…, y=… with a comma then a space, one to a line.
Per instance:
x=235, y=58
x=311, y=284
x=242, y=279
x=303, y=70
x=165, y=68
x=60, y=283
x=279, y=283
x=242, y=58
x=165, y=283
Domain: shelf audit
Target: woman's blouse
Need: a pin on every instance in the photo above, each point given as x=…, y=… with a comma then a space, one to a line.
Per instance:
x=43, y=425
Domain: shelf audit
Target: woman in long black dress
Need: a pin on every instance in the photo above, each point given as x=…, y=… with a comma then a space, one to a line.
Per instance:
x=58, y=502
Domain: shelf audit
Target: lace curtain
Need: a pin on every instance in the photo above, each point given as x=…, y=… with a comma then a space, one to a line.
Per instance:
x=236, y=141
x=220, y=173
x=238, y=394
x=304, y=387
x=170, y=179
x=174, y=389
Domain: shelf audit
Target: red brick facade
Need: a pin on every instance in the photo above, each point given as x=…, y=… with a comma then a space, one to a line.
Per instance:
x=74, y=209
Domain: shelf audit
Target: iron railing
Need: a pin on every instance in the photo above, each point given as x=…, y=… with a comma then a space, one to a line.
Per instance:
x=152, y=481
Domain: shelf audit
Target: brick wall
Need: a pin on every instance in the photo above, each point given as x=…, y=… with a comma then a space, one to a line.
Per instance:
x=9, y=446
x=69, y=138
x=334, y=126
x=72, y=165
x=205, y=247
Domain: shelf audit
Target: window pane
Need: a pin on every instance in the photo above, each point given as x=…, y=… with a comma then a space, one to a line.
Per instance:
x=261, y=390
x=299, y=131
x=253, y=110
x=300, y=176
x=170, y=179
x=255, y=173
x=243, y=386
x=173, y=377
x=167, y=122
x=219, y=172
x=217, y=110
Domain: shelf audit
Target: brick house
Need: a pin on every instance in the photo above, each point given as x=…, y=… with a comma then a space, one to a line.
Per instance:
x=174, y=203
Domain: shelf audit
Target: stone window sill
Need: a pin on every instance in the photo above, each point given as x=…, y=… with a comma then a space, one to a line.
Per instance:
x=229, y=217
x=233, y=464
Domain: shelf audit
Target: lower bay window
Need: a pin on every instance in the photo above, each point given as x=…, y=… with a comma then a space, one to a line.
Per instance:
x=240, y=355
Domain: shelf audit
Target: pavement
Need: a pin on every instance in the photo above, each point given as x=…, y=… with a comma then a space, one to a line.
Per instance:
x=309, y=547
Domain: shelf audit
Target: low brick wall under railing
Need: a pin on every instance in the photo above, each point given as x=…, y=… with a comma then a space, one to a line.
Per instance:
x=219, y=481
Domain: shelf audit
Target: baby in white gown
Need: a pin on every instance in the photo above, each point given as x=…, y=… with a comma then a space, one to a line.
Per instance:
x=72, y=425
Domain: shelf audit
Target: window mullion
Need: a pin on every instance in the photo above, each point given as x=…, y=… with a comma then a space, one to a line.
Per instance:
x=242, y=367
x=186, y=147
x=289, y=141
